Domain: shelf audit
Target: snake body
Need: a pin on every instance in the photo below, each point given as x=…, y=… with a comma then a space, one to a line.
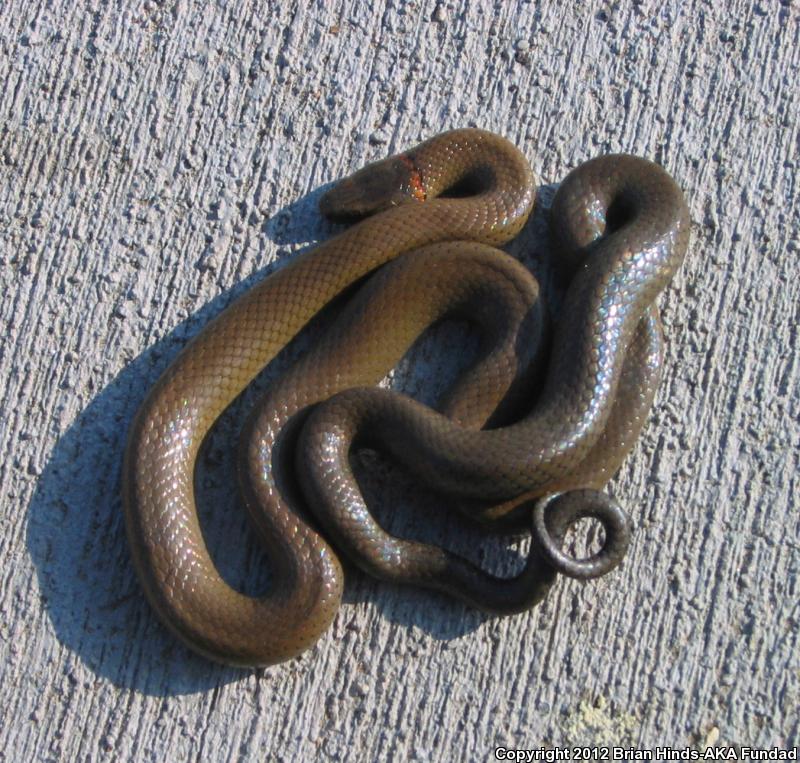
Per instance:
x=623, y=225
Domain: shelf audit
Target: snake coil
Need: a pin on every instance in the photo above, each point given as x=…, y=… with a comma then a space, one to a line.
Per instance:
x=433, y=216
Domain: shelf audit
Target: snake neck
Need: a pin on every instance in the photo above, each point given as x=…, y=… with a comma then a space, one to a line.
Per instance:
x=483, y=175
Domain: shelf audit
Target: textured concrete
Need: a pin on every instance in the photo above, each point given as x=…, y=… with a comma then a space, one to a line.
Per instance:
x=156, y=157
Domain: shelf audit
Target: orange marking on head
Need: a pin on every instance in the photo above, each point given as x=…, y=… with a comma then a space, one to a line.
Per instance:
x=414, y=179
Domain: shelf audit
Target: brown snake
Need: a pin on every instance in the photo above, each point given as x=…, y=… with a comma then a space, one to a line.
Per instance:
x=623, y=227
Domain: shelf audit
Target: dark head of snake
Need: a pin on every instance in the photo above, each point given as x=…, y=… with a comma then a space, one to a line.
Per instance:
x=430, y=214
x=380, y=186
x=399, y=180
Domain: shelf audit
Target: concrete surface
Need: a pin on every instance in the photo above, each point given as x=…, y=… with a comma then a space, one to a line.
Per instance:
x=157, y=157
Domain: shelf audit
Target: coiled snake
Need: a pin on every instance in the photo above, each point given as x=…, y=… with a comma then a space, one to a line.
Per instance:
x=622, y=227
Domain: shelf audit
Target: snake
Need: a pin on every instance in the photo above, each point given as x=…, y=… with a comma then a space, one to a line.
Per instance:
x=527, y=435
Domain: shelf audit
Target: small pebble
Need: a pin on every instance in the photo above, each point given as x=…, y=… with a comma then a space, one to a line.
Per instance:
x=378, y=138
x=359, y=689
x=712, y=737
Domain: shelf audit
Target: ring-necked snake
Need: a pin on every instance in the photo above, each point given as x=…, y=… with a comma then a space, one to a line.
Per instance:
x=432, y=217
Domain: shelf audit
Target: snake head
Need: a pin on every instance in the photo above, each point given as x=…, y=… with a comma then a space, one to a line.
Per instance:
x=375, y=188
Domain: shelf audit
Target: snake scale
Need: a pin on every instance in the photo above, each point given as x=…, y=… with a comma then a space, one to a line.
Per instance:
x=429, y=220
